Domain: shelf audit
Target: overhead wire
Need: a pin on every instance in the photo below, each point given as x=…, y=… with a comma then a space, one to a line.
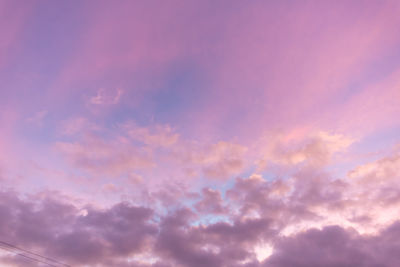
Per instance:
x=27, y=257
x=17, y=251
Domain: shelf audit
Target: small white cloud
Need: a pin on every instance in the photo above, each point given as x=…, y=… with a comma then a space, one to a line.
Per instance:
x=106, y=97
x=157, y=136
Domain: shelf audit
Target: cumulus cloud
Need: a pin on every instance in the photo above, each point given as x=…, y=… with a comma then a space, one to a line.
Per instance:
x=158, y=135
x=211, y=202
x=255, y=223
x=337, y=247
x=100, y=156
x=382, y=170
x=129, y=147
x=59, y=230
x=315, y=149
x=219, y=161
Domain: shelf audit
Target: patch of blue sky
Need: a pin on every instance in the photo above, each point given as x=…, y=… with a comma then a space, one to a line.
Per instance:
x=211, y=219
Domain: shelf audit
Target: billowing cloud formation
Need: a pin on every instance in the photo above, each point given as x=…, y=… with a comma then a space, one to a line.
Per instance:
x=296, y=216
x=131, y=147
x=78, y=236
x=335, y=246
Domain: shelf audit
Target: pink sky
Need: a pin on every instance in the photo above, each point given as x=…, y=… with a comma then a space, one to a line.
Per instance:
x=200, y=133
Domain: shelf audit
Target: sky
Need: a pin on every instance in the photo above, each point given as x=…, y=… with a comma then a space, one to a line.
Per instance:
x=200, y=133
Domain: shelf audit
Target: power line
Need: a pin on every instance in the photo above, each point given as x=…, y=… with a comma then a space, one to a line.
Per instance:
x=27, y=257
x=30, y=252
x=11, y=248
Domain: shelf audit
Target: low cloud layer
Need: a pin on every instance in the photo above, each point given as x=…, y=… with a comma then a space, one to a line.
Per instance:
x=297, y=217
